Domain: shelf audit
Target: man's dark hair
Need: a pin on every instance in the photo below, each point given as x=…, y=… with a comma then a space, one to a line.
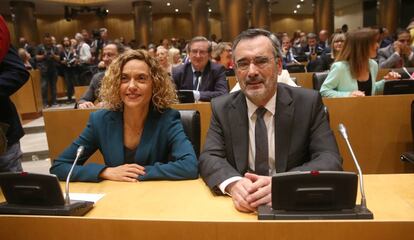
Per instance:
x=119, y=47
x=256, y=32
x=200, y=39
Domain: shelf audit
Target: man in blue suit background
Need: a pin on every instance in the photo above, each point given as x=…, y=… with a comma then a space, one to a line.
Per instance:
x=206, y=79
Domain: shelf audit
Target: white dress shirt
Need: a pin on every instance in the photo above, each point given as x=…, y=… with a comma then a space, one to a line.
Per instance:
x=270, y=125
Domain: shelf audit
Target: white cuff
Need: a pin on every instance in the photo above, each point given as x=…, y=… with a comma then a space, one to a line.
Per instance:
x=226, y=182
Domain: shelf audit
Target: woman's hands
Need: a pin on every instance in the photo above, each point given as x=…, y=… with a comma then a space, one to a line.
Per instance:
x=123, y=173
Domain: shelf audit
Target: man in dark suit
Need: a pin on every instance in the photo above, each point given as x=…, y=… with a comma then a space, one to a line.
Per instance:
x=13, y=75
x=399, y=54
x=265, y=128
x=205, y=78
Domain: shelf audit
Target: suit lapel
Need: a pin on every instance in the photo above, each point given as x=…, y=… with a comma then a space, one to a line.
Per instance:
x=283, y=127
x=240, y=138
x=115, y=135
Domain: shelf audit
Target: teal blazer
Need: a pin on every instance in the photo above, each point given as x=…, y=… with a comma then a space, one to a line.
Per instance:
x=164, y=149
x=339, y=82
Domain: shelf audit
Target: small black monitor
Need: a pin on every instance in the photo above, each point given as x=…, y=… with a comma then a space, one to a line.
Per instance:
x=37, y=194
x=32, y=189
x=185, y=96
x=314, y=190
x=393, y=87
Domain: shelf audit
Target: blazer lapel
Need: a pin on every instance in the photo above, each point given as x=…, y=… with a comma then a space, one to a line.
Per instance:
x=115, y=135
x=283, y=127
x=239, y=132
x=144, y=147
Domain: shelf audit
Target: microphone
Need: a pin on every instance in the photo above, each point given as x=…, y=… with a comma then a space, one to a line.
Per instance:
x=408, y=73
x=79, y=152
x=342, y=130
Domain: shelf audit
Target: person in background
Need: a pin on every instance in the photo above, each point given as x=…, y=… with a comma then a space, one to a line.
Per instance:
x=264, y=129
x=312, y=49
x=354, y=72
x=205, y=78
x=221, y=54
x=68, y=59
x=139, y=135
x=323, y=43
x=410, y=28
x=399, y=54
x=174, y=57
x=110, y=52
x=13, y=76
x=25, y=57
x=47, y=58
x=162, y=57
x=384, y=37
x=324, y=62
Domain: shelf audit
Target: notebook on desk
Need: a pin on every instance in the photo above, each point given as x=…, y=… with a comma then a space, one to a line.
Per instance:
x=37, y=194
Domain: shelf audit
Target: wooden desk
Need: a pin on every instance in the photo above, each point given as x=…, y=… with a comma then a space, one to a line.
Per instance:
x=80, y=91
x=232, y=80
x=303, y=79
x=28, y=99
x=379, y=128
x=188, y=210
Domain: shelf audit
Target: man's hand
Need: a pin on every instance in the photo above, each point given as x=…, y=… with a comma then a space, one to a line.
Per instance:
x=123, y=173
x=239, y=193
x=85, y=105
x=261, y=190
x=397, y=47
x=392, y=76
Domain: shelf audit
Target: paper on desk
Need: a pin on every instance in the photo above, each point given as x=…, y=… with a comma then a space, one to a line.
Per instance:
x=91, y=197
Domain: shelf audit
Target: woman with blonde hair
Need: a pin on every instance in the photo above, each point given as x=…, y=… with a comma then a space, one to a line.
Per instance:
x=354, y=72
x=139, y=135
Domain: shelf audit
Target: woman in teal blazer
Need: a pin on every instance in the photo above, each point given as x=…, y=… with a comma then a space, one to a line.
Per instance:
x=139, y=136
x=354, y=73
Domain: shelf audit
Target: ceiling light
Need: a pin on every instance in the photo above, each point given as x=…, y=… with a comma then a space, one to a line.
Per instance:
x=176, y=10
x=302, y=0
x=168, y=4
x=295, y=11
x=298, y=6
x=209, y=10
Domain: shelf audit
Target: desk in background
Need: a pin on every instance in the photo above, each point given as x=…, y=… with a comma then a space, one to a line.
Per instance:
x=188, y=210
x=379, y=129
x=28, y=99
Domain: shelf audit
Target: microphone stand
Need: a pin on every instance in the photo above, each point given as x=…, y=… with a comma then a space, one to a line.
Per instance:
x=79, y=152
x=344, y=134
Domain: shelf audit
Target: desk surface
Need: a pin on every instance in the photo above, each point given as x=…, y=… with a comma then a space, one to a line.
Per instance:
x=188, y=210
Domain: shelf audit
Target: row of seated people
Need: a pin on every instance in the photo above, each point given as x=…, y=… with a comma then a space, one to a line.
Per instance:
x=397, y=54
x=142, y=138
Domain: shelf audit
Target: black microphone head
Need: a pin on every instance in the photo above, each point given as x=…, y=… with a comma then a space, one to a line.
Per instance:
x=80, y=150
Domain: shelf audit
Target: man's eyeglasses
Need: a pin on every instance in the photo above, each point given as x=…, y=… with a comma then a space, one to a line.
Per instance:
x=260, y=62
x=404, y=40
x=200, y=52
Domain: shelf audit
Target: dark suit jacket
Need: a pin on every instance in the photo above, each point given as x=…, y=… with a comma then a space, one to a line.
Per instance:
x=303, y=138
x=164, y=149
x=13, y=75
x=387, y=58
x=213, y=80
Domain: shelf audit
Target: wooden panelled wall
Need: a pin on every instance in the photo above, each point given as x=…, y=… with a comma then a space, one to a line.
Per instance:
x=165, y=25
